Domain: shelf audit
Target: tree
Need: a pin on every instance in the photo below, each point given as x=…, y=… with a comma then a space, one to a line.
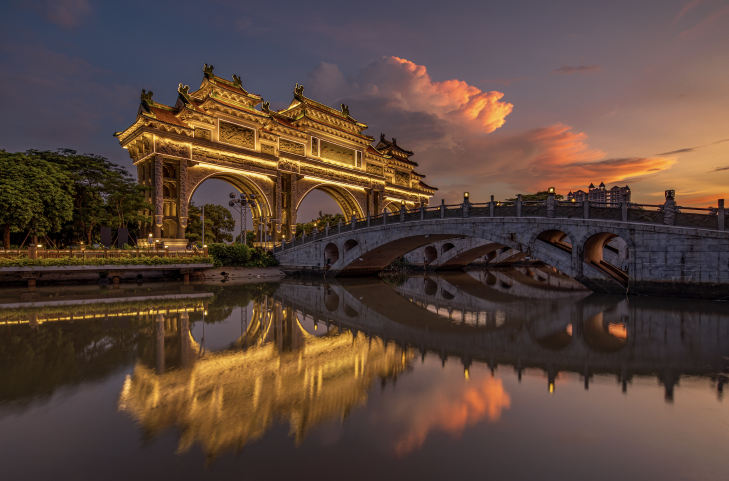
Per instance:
x=320, y=223
x=105, y=193
x=219, y=224
x=34, y=194
x=541, y=195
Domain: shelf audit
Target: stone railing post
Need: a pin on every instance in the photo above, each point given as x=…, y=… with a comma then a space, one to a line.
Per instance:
x=384, y=216
x=518, y=205
x=402, y=213
x=624, y=208
x=466, y=208
x=368, y=219
x=339, y=229
x=669, y=208
x=720, y=214
x=551, y=204
x=354, y=222
x=491, y=207
x=422, y=213
x=585, y=209
x=326, y=230
x=442, y=208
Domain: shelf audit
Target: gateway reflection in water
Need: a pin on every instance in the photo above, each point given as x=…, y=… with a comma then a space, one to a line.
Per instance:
x=319, y=357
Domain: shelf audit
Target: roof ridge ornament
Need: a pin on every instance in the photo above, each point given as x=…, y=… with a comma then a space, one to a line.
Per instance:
x=237, y=82
x=146, y=97
x=345, y=110
x=184, y=91
x=299, y=91
x=208, y=71
x=266, y=107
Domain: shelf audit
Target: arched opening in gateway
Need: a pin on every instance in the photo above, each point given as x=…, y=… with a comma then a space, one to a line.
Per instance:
x=446, y=247
x=214, y=190
x=330, y=199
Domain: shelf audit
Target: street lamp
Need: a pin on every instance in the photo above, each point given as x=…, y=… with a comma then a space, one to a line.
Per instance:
x=242, y=205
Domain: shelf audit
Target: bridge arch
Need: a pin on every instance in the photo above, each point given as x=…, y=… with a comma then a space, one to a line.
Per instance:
x=592, y=246
x=344, y=198
x=331, y=254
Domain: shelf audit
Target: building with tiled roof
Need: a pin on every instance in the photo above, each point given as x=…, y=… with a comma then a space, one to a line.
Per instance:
x=223, y=131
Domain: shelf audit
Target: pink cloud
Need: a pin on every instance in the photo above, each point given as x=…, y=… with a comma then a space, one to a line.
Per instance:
x=706, y=24
x=445, y=124
x=66, y=13
x=686, y=9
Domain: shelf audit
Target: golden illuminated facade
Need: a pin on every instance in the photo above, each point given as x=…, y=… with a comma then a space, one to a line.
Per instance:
x=218, y=132
x=277, y=372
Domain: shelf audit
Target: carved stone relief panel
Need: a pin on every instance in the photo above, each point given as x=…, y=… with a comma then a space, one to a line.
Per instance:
x=268, y=149
x=337, y=153
x=237, y=135
x=292, y=147
x=288, y=165
x=169, y=147
x=204, y=134
x=402, y=178
x=375, y=169
x=315, y=147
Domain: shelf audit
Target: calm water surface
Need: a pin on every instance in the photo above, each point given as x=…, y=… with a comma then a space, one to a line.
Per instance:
x=509, y=374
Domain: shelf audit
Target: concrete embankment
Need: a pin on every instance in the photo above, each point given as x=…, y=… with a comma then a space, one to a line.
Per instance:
x=100, y=274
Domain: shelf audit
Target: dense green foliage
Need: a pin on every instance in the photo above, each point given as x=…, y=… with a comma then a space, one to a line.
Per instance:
x=35, y=195
x=320, y=223
x=239, y=255
x=100, y=261
x=63, y=197
x=219, y=224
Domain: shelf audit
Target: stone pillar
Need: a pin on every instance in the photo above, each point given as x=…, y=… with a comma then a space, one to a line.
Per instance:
x=182, y=200
x=158, y=200
x=492, y=205
x=721, y=221
x=669, y=208
x=294, y=200
x=442, y=208
x=276, y=233
x=402, y=212
x=466, y=208
x=624, y=211
x=585, y=209
x=518, y=205
x=551, y=204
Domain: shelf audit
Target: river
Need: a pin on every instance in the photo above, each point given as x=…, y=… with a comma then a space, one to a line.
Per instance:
x=515, y=373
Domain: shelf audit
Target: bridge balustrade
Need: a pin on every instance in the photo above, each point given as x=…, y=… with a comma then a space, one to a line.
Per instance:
x=713, y=218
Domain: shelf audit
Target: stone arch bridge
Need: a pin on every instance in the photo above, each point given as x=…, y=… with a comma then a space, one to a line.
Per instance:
x=666, y=252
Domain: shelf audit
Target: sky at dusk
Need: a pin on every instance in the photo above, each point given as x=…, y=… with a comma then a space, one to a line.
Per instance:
x=495, y=98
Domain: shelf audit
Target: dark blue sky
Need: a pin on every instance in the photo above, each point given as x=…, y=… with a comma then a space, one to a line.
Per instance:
x=494, y=97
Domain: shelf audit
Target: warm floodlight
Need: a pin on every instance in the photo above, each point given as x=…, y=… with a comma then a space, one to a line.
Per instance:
x=465, y=195
x=551, y=190
x=574, y=200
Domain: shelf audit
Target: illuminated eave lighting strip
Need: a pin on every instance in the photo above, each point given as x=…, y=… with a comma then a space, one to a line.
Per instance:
x=328, y=181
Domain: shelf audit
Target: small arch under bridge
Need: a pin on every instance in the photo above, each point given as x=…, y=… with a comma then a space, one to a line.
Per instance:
x=659, y=259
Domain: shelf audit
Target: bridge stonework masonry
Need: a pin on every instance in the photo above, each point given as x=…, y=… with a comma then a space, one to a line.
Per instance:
x=222, y=131
x=664, y=251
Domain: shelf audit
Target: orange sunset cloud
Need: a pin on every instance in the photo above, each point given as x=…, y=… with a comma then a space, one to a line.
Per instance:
x=452, y=411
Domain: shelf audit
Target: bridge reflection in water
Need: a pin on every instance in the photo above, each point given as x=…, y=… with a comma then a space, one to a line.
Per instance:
x=311, y=352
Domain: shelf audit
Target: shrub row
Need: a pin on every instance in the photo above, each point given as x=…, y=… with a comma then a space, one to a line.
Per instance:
x=116, y=261
x=240, y=255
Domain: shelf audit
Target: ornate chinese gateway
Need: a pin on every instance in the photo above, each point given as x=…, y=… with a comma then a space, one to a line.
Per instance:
x=217, y=132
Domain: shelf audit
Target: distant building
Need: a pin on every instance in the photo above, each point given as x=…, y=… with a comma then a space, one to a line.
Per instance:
x=613, y=195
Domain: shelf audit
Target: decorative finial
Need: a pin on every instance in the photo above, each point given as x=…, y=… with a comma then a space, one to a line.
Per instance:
x=184, y=90
x=237, y=82
x=146, y=97
x=266, y=107
x=394, y=141
x=382, y=137
x=345, y=110
x=208, y=70
x=299, y=90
